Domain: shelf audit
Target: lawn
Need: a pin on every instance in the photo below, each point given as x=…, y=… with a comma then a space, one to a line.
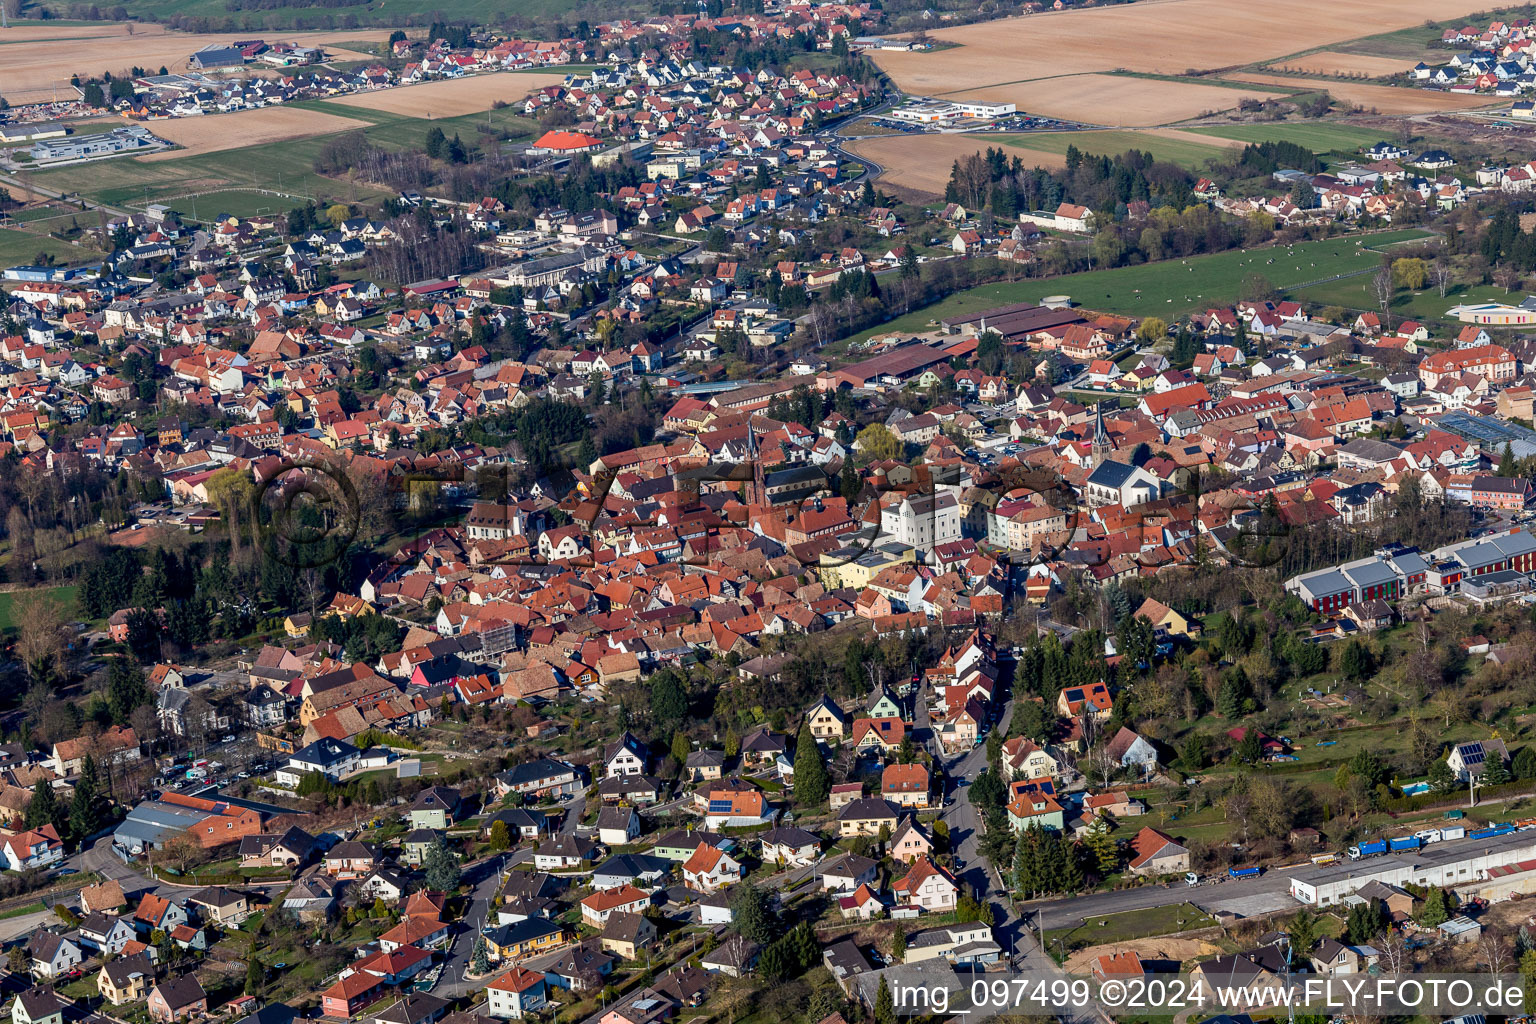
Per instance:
x=64, y=595
x=1135, y=924
x=288, y=168
x=1170, y=288
x=1318, y=136
x=23, y=246
x=1352, y=293
x=1190, y=155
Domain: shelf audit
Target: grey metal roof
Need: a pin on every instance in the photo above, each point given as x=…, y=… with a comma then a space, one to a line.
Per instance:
x=1369, y=574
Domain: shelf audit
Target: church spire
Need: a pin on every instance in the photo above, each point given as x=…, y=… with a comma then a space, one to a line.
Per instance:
x=1102, y=448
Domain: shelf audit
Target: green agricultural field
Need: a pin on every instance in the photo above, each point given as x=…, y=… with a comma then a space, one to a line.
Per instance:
x=1318, y=136
x=1190, y=155
x=64, y=595
x=288, y=168
x=1170, y=288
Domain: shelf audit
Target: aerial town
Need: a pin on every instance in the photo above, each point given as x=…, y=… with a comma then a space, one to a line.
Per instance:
x=742, y=512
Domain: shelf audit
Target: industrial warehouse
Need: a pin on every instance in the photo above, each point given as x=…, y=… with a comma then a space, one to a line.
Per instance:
x=1491, y=867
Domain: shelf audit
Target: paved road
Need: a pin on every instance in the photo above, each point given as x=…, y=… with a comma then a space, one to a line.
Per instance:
x=486, y=878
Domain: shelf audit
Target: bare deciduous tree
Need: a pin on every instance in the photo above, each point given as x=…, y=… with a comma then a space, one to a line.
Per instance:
x=1440, y=274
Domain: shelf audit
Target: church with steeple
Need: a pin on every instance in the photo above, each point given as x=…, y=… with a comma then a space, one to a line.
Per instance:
x=1103, y=447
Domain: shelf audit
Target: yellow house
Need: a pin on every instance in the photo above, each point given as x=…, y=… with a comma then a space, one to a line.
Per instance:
x=827, y=720
x=346, y=606
x=1165, y=618
x=126, y=979
x=837, y=571
x=297, y=625
x=523, y=939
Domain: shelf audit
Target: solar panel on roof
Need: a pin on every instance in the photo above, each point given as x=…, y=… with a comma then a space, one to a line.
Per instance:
x=719, y=807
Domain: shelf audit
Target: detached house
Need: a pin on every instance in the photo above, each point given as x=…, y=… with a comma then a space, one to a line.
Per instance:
x=927, y=886
x=35, y=848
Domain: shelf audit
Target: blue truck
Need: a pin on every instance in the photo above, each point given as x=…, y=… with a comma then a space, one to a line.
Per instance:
x=1369, y=849
x=1244, y=872
x=1489, y=833
x=1401, y=843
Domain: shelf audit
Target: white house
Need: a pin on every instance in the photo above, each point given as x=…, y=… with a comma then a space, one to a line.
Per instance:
x=515, y=993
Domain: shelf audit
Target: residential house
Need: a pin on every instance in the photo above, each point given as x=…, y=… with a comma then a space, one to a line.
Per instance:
x=177, y=999
x=866, y=817
x=1157, y=854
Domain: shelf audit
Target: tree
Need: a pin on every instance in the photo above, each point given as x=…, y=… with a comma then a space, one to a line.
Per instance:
x=501, y=836
x=899, y=942
x=1523, y=765
x=441, y=867
x=680, y=748
x=480, y=959
x=669, y=701
x=43, y=808
x=1440, y=273
x=1151, y=329
x=1506, y=461
x=877, y=442
x=1357, y=662
x=254, y=976
x=1195, y=755
x=1250, y=749
x=1436, y=909
x=751, y=916
x=1495, y=772
x=1441, y=778
x=1101, y=846
x=850, y=483
x=811, y=781
x=885, y=1004
x=1302, y=930
x=40, y=636
x=1366, y=921
x=436, y=143
x=1381, y=290
x=1410, y=273
x=84, y=811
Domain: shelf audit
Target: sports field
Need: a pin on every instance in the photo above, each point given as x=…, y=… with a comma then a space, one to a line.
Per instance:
x=1173, y=287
